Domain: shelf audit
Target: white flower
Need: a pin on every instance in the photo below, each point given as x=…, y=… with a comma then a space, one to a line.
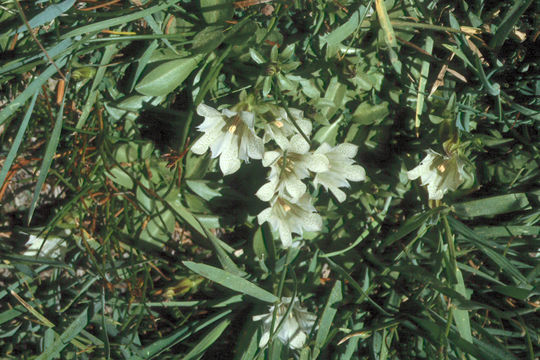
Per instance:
x=296, y=325
x=229, y=135
x=287, y=217
x=440, y=173
x=287, y=169
x=52, y=248
x=341, y=168
x=282, y=127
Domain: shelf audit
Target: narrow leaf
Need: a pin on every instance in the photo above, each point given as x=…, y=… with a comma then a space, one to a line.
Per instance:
x=231, y=281
x=493, y=205
x=328, y=315
x=49, y=14
x=30, y=90
x=69, y=334
x=18, y=140
x=48, y=157
x=207, y=341
x=166, y=77
x=424, y=73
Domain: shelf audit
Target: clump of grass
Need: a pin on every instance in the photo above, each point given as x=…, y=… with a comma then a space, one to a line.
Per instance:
x=119, y=242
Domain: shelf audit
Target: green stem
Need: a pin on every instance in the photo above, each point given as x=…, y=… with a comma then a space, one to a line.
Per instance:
x=276, y=306
x=289, y=115
x=451, y=246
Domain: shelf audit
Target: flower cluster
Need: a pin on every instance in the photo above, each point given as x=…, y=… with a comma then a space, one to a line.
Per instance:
x=231, y=135
x=296, y=325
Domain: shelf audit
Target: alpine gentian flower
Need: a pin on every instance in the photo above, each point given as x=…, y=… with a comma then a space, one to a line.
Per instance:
x=229, y=135
x=295, y=328
x=440, y=174
x=287, y=217
x=287, y=169
x=341, y=168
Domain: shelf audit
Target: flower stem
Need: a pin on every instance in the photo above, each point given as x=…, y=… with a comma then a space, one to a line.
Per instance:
x=289, y=115
x=451, y=246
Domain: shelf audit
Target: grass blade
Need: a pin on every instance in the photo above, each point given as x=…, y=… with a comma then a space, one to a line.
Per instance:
x=110, y=51
x=18, y=140
x=184, y=332
x=69, y=334
x=30, y=90
x=507, y=24
x=422, y=82
x=208, y=340
x=328, y=314
x=231, y=281
x=49, y=14
x=48, y=157
x=118, y=20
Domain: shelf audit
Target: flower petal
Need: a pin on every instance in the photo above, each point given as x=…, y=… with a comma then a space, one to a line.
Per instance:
x=312, y=222
x=285, y=235
x=317, y=163
x=270, y=157
x=207, y=111
x=228, y=161
x=228, y=113
x=264, y=339
x=298, y=144
x=201, y=145
x=264, y=215
x=255, y=147
x=298, y=340
x=355, y=173
x=347, y=150
x=248, y=118
x=340, y=195
x=305, y=126
x=266, y=192
x=296, y=188
x=323, y=149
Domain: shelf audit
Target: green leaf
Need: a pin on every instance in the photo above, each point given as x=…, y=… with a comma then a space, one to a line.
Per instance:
x=204, y=188
x=49, y=14
x=410, y=225
x=18, y=140
x=63, y=340
x=328, y=133
x=199, y=349
x=208, y=39
x=487, y=249
x=461, y=317
x=166, y=77
x=231, y=281
x=110, y=51
x=335, y=96
x=514, y=291
x=132, y=152
x=328, y=314
x=507, y=231
x=35, y=86
x=424, y=73
x=50, y=150
x=508, y=22
x=216, y=11
x=334, y=38
x=367, y=114
x=143, y=61
x=118, y=20
x=183, y=333
x=256, y=56
x=495, y=205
